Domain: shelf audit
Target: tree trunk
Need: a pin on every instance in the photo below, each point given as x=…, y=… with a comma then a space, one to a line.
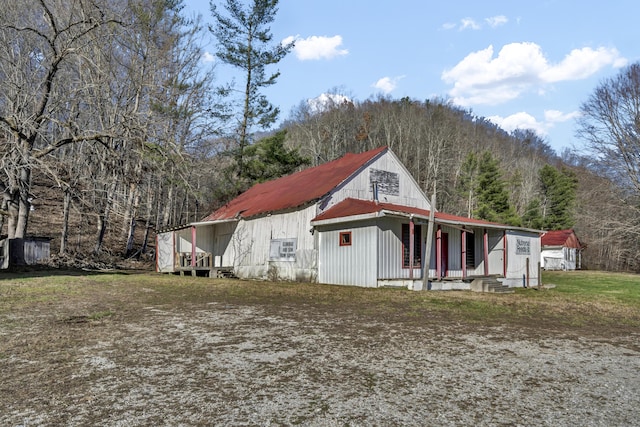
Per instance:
x=66, y=207
x=102, y=229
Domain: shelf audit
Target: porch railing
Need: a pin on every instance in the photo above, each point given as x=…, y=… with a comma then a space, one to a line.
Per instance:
x=202, y=260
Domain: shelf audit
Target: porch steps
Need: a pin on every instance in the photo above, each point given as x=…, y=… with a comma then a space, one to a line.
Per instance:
x=490, y=284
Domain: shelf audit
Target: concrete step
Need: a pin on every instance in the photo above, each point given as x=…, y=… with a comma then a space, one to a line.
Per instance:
x=490, y=284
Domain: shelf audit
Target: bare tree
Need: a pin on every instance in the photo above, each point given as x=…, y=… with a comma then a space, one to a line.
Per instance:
x=610, y=125
x=41, y=44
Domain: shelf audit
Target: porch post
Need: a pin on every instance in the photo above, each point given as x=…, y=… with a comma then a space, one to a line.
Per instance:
x=485, y=245
x=439, y=252
x=428, y=244
x=463, y=264
x=193, y=246
x=504, y=253
x=411, y=247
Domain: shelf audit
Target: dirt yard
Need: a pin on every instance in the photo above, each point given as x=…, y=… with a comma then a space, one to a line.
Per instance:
x=97, y=354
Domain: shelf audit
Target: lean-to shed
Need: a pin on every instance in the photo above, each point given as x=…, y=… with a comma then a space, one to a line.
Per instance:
x=24, y=251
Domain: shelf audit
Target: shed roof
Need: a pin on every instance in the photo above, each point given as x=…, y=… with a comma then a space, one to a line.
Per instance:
x=566, y=238
x=355, y=208
x=294, y=190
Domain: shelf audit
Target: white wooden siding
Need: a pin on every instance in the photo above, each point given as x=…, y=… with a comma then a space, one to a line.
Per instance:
x=359, y=187
x=348, y=265
x=517, y=272
x=496, y=252
x=390, y=250
x=165, y=252
x=252, y=240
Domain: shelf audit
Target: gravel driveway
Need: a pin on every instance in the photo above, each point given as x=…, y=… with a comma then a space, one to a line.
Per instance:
x=221, y=364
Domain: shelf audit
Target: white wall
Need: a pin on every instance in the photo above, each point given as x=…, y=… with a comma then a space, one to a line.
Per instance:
x=518, y=257
x=359, y=186
x=165, y=253
x=251, y=241
x=348, y=265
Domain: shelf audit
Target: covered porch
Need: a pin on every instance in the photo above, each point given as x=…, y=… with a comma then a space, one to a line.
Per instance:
x=200, y=249
x=378, y=244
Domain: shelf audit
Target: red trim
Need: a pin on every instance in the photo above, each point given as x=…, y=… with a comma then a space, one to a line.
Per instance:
x=485, y=244
x=193, y=246
x=341, y=241
x=463, y=240
x=411, y=247
x=417, y=230
x=439, y=253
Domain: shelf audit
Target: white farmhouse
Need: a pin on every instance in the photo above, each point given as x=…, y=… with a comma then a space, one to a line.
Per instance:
x=561, y=250
x=359, y=220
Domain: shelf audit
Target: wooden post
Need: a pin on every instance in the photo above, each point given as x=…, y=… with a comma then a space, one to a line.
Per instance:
x=411, y=248
x=463, y=263
x=427, y=249
x=439, y=272
x=540, y=285
x=485, y=246
x=528, y=282
x=193, y=246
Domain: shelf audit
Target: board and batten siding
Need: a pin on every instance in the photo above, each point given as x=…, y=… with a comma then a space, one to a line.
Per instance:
x=353, y=264
x=386, y=167
x=252, y=243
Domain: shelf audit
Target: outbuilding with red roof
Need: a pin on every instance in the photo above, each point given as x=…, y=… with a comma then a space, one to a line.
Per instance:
x=359, y=220
x=561, y=250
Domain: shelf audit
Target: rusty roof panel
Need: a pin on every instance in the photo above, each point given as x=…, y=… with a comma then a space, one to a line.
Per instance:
x=294, y=190
x=565, y=238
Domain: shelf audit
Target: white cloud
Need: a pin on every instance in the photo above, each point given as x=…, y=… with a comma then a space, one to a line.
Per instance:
x=387, y=84
x=325, y=101
x=555, y=116
x=207, y=57
x=468, y=23
x=523, y=120
x=481, y=78
x=520, y=120
x=316, y=47
x=581, y=63
x=496, y=21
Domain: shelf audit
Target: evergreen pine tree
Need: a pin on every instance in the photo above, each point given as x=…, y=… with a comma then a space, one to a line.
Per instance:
x=558, y=188
x=493, y=198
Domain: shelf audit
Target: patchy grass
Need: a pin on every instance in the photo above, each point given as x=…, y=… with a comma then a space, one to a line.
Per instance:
x=579, y=300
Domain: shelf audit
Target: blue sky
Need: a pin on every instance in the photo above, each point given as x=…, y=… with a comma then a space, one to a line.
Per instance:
x=520, y=64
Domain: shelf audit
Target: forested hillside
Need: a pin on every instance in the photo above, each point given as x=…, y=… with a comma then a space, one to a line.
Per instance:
x=112, y=128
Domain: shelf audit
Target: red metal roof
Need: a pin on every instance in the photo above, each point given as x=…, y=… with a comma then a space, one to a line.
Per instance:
x=294, y=190
x=566, y=238
x=351, y=207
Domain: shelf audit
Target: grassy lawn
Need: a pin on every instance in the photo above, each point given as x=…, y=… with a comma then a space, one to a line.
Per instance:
x=580, y=300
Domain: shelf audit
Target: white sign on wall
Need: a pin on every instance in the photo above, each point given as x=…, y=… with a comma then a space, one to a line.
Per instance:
x=523, y=247
x=283, y=249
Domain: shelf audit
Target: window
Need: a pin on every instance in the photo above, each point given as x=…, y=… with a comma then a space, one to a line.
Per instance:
x=470, y=250
x=345, y=238
x=417, y=246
